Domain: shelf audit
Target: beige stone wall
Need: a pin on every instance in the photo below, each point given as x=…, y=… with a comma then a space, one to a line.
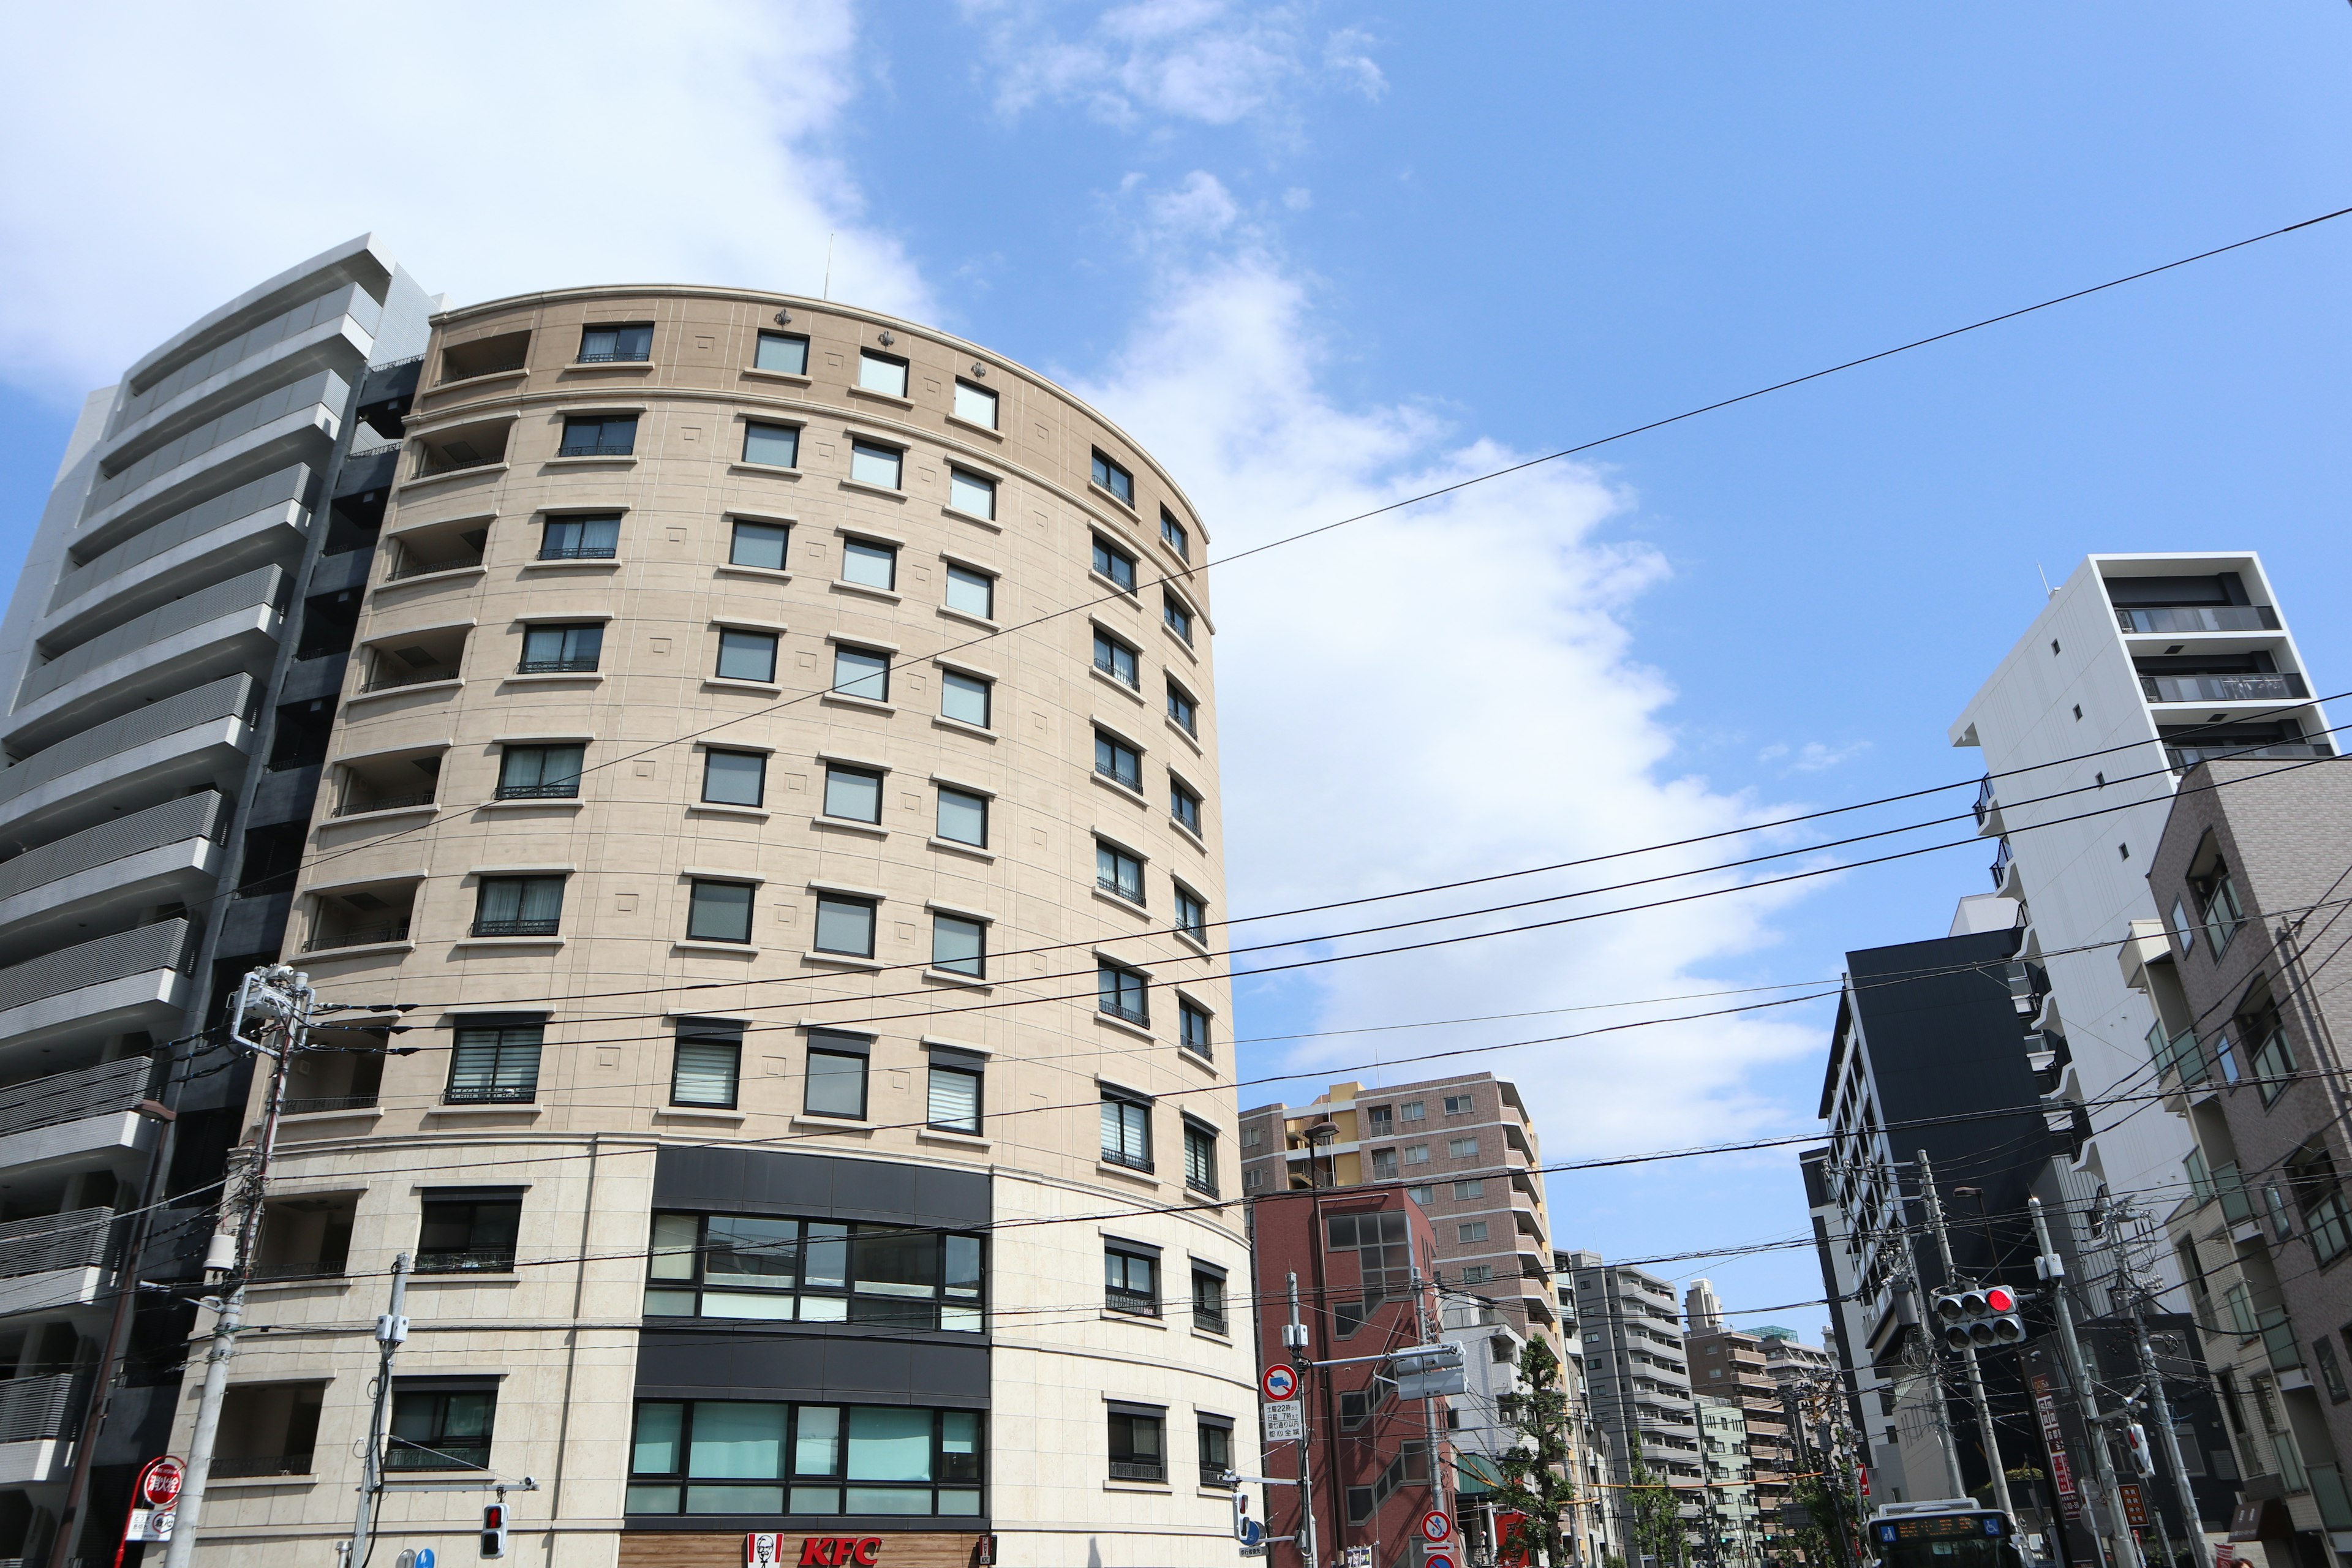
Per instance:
x=563, y=1331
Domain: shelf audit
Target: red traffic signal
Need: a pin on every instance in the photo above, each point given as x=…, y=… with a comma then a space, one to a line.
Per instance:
x=494, y=1529
x=1998, y=1299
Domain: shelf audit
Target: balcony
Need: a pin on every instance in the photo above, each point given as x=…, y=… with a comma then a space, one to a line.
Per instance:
x=405, y=780
x=244, y=527
x=2003, y=859
x=165, y=854
x=53, y=1260
x=38, y=1417
x=131, y=979
x=375, y=935
x=2184, y=758
x=2209, y=689
x=73, y=1115
x=418, y=659
x=359, y=804
x=2173, y=618
x=502, y=355
x=1987, y=807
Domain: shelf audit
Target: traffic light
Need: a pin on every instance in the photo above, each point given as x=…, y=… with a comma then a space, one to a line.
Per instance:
x=1426, y=1372
x=494, y=1529
x=1986, y=1319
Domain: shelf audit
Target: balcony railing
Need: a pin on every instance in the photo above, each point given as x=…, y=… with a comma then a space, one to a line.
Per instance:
x=2199, y=618
x=35, y=1407
x=54, y=1241
x=2231, y=1188
x=167, y=944
x=390, y=679
x=409, y=566
x=564, y=789
x=468, y=1260
x=598, y=449
x=70, y=1096
x=430, y=463
x=578, y=664
x=247, y=1466
x=357, y=936
x=1141, y=1303
x=2187, y=757
x=448, y=1454
x=2001, y=862
x=490, y=1094
x=174, y=821
x=1139, y=1470
x=1986, y=803
x=228, y=697
x=356, y=807
x=580, y=553
x=515, y=928
x=2223, y=687
x=1212, y=1318
x=498, y=365
x=1133, y=1162
x=615, y=356
x=299, y=1105
x=2279, y=1341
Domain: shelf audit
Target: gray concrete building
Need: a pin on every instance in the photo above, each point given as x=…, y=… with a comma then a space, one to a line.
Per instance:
x=1637, y=1375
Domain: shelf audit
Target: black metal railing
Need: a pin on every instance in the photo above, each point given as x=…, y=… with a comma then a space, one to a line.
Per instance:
x=247, y=1466
x=449, y=1454
x=580, y=553
x=1210, y=1318
x=1121, y=1157
x=289, y=1273
x=615, y=356
x=2222, y=688
x=2187, y=757
x=598, y=449
x=299, y=1105
x=468, y=1260
x=357, y=936
x=568, y=789
x=407, y=566
x=576, y=664
x=1985, y=803
x=1142, y=1303
x=388, y=681
x=1137, y=1470
x=383, y=802
x=2199, y=618
x=515, y=928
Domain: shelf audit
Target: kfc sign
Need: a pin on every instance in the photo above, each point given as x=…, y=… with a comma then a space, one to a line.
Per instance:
x=841, y=1550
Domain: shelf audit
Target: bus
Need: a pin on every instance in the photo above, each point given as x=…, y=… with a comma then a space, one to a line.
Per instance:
x=1954, y=1533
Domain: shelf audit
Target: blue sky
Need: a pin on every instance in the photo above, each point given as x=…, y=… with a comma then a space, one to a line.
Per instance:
x=1317, y=256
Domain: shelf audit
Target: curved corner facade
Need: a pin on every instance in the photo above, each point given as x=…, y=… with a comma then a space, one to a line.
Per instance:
x=774, y=776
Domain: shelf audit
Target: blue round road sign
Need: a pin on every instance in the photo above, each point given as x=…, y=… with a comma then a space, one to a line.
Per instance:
x=424, y=1557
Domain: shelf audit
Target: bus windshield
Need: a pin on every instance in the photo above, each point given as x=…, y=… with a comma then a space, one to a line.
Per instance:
x=1943, y=1540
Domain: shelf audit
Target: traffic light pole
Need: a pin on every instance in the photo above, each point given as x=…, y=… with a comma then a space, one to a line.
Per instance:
x=2161, y=1408
x=1967, y=1352
x=1294, y=1339
x=2053, y=1266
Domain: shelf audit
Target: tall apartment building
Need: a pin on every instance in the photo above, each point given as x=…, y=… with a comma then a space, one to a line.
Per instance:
x=1732, y=1530
x=2138, y=667
x=1463, y=1147
x=815, y=1113
x=1637, y=1380
x=1731, y=1366
x=169, y=656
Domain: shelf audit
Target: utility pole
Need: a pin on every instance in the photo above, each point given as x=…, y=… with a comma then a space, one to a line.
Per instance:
x=391, y=1334
x=1967, y=1352
x=1428, y=1335
x=281, y=996
x=2052, y=1268
x=2200, y=1549
x=1294, y=1339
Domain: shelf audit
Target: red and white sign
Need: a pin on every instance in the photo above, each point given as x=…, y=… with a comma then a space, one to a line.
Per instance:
x=1435, y=1526
x=2053, y=1436
x=160, y=1483
x=764, y=1549
x=1438, y=1560
x=840, y=1552
x=1280, y=1382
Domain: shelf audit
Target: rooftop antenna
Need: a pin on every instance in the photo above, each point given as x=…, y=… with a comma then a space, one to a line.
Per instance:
x=2047, y=591
x=828, y=267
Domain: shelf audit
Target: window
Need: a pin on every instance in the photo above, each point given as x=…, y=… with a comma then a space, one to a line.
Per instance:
x=1173, y=534
x=1423, y=1194
x=745, y=1267
x=1117, y=871
x=845, y=925
x=2183, y=927
x=966, y=699
x=976, y=403
x=494, y=1063
x=561, y=649
x=861, y=672
x=1191, y=914
x=1183, y=804
x=1412, y=1464
x=853, y=793
x=1116, y=659
x=1216, y=1449
x=1192, y=1029
x=1127, y=1129
x=2331, y=1371
x=1474, y=1188
x=759, y=544
x=836, y=1072
x=1459, y=1105
x=441, y=1429
x=1474, y=1230
x=964, y=817
x=616, y=343
x=1384, y=1165
x=734, y=778
x=1416, y=1154
x=1118, y=761
x=519, y=906
x=1121, y=993
x=971, y=593
x=1413, y=1111
x=581, y=537
x=1253, y=1180
x=1384, y=1249
x=1462, y=1148
x=1357, y=1405
x=719, y=911
x=468, y=1230
x=1183, y=710
x=771, y=445
x=1200, y=1158
x=707, y=1069
x=2216, y=892
x=871, y=463
x=540, y=772
x=971, y=492
x=1478, y=1274
x=599, y=436
x=747, y=656
x=958, y=946
x=1209, y=1299
x=2319, y=1198
x=953, y=1097
x=1115, y=563
x=1114, y=478
x=1130, y=1279
x=1179, y=618
x=738, y=1456
x=884, y=374
x=2274, y=1062
x=786, y=354
x=868, y=564
x=1137, y=1445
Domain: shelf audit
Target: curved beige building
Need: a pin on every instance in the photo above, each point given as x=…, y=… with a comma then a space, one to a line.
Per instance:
x=774, y=774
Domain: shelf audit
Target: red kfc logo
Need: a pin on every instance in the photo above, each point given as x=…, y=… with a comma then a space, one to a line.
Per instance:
x=840, y=1551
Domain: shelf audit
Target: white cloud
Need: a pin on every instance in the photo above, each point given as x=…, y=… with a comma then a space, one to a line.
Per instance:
x=1439, y=692
x=1201, y=207
x=1812, y=757
x=494, y=148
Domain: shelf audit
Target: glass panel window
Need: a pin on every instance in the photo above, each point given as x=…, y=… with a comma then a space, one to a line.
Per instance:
x=1115, y=563
x=467, y=1234
x=771, y=445
x=1459, y=1105
x=959, y=946
x=783, y=352
x=954, y=1098
x=1138, y=1446
x=519, y=906
x=581, y=537
x=871, y=463
x=972, y=493
x=747, y=1267
x=1199, y=1159
x=1117, y=871
x=759, y=544
x=1116, y=760
x=540, y=772
x=707, y=1071
x=1425, y=1194
x=1216, y=1448
x=734, y=778
x=1116, y=659
x=1114, y=478
x=1462, y=1149
x=966, y=699
x=869, y=565
x=853, y=794
x=1209, y=1300
x=1131, y=1281
x=599, y=436
x=1474, y=1188
x=1173, y=534
x=1191, y=914
x=1416, y=1154
x=719, y=911
x=971, y=592
x=1183, y=805
x=1192, y=1029
x=845, y=926
x=884, y=374
x=1127, y=1131
x=1178, y=618
x=1183, y=710
x=747, y=656
x=441, y=1429
x=1384, y=1165
x=495, y=1064
x=861, y=672
x=977, y=403
x=1474, y=1230
x=616, y=343
x=561, y=651
x=1121, y=993
x=837, y=1081
x=964, y=817
x=1413, y=1111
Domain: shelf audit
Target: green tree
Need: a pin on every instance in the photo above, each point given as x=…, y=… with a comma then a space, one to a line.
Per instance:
x=1533, y=1468
x=1658, y=1528
x=1836, y=1508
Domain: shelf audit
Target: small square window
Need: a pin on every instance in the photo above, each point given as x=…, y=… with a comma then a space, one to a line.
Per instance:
x=965, y=698
x=1416, y=1154
x=1116, y=659
x=1192, y=1029
x=1118, y=761
x=972, y=493
x=1462, y=1149
x=708, y=1071
x=959, y=946
x=1183, y=804
x=1192, y=913
x=964, y=817
x=1111, y=561
x=871, y=463
x=734, y=778
x=772, y=445
x=1121, y=993
x=1114, y=478
x=869, y=565
x=540, y=772
x=759, y=544
x=1474, y=1188
x=747, y=656
x=1183, y=710
x=845, y=926
x=616, y=343
x=1117, y=871
x=1173, y=534
x=494, y=1064
x=719, y=911
x=561, y=649
x=441, y=1429
x=853, y=793
x=1475, y=1230
x=1413, y=1111
x=783, y=352
x=1177, y=616
x=464, y=1231
x=581, y=536
x=976, y=403
x=519, y=906
x=836, y=1075
x=861, y=672
x=1384, y=1165
x=971, y=592
x=1459, y=1105
x=599, y=436
x=1425, y=1194
x=954, y=1098
x=884, y=374
x=1131, y=1282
